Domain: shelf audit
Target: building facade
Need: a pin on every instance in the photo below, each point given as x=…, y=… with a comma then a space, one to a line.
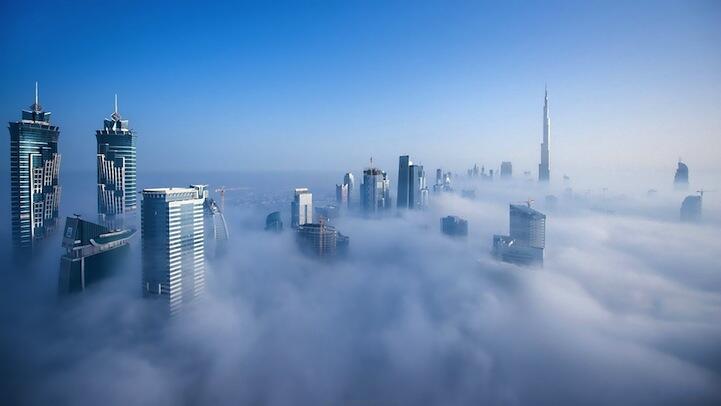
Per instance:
x=454, y=226
x=274, y=222
x=321, y=239
x=680, y=178
x=404, y=164
x=301, y=209
x=91, y=253
x=506, y=170
x=691, y=208
x=34, y=171
x=173, y=253
x=375, y=191
x=527, y=240
x=116, y=161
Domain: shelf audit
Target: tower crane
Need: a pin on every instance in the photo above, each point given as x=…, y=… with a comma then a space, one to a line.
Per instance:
x=222, y=191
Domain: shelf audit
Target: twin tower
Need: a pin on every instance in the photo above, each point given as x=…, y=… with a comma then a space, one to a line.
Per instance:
x=35, y=166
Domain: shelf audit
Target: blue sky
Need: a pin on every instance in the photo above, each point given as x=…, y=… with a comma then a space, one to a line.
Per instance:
x=325, y=85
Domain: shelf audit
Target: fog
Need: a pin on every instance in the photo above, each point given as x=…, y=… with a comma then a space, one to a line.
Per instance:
x=626, y=310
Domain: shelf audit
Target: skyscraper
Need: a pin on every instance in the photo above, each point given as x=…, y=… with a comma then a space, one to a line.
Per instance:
x=454, y=226
x=321, y=240
x=342, y=195
x=301, y=208
x=349, y=181
x=691, y=208
x=116, y=166
x=375, y=191
x=273, y=222
x=412, y=190
x=404, y=164
x=544, y=168
x=91, y=253
x=680, y=178
x=506, y=170
x=527, y=238
x=172, y=239
x=34, y=168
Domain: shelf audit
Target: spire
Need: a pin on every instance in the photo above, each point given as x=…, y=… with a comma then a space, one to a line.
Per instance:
x=115, y=116
x=36, y=107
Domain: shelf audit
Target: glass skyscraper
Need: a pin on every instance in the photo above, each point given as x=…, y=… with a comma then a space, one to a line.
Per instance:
x=527, y=238
x=172, y=238
x=375, y=191
x=34, y=169
x=116, y=166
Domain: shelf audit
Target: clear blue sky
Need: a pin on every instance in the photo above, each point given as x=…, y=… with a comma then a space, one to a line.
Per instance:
x=319, y=85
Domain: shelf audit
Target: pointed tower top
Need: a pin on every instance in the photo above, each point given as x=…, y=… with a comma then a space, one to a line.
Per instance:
x=36, y=106
x=116, y=116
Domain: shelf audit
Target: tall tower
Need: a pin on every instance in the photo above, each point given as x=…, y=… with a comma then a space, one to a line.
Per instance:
x=404, y=164
x=172, y=245
x=116, y=166
x=34, y=168
x=301, y=207
x=544, y=168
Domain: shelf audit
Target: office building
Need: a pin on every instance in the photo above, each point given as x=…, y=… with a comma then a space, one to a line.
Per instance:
x=34, y=169
x=527, y=239
x=273, y=222
x=92, y=252
x=173, y=253
x=506, y=170
x=691, y=208
x=454, y=226
x=404, y=164
x=375, y=191
x=116, y=160
x=349, y=186
x=412, y=190
x=544, y=168
x=680, y=179
x=321, y=239
x=342, y=195
x=301, y=209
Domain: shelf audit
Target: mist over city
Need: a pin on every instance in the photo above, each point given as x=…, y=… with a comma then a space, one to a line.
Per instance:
x=425, y=203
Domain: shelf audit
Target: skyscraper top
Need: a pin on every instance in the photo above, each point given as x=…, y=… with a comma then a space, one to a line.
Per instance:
x=36, y=107
x=116, y=123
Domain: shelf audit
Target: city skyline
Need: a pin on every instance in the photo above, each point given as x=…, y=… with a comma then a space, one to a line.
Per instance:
x=483, y=104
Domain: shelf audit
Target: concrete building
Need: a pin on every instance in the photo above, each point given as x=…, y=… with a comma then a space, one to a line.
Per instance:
x=34, y=171
x=301, y=209
x=173, y=254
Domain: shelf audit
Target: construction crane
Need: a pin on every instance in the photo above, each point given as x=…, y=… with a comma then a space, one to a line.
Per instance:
x=702, y=191
x=222, y=191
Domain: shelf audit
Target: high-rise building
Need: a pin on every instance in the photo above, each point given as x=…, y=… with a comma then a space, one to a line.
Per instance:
x=411, y=184
x=680, y=179
x=375, y=191
x=527, y=238
x=173, y=248
x=91, y=253
x=544, y=168
x=321, y=239
x=342, y=195
x=506, y=170
x=691, y=208
x=215, y=227
x=454, y=226
x=349, y=181
x=301, y=208
x=404, y=164
x=116, y=166
x=34, y=168
x=439, y=176
x=273, y=222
